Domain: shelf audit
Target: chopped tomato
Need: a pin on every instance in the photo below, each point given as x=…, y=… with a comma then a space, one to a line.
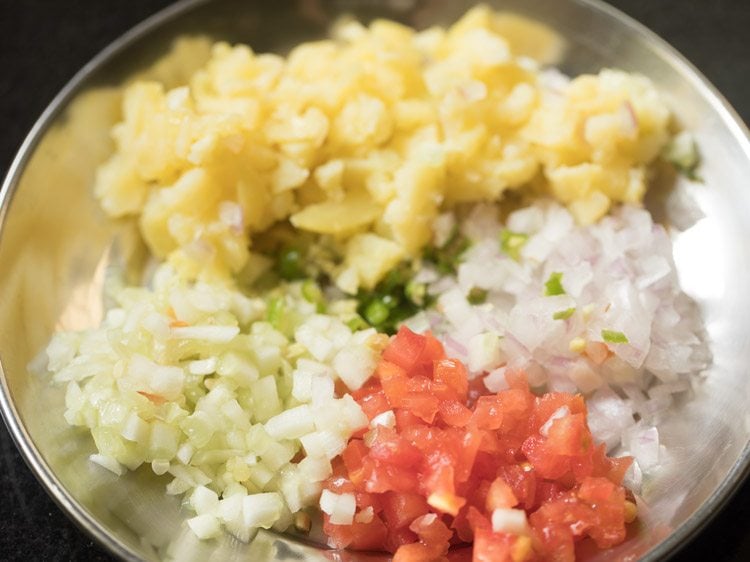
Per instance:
x=456, y=454
x=388, y=446
x=453, y=374
x=454, y=413
x=568, y=436
x=372, y=400
x=492, y=547
x=488, y=412
x=406, y=349
x=400, y=510
x=500, y=495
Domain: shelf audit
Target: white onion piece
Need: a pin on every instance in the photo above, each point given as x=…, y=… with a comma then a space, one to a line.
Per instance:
x=291, y=423
x=385, y=419
x=261, y=510
x=643, y=444
x=204, y=500
x=339, y=507
x=107, y=462
x=511, y=521
x=213, y=334
x=205, y=526
x=621, y=322
x=495, y=380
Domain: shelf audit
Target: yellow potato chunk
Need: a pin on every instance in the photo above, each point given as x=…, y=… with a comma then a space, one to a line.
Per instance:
x=356, y=211
x=367, y=136
x=529, y=38
x=368, y=258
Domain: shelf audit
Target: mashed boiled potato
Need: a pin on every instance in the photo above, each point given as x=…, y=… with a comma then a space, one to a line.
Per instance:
x=365, y=136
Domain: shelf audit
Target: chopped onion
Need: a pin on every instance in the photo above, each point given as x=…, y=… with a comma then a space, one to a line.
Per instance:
x=191, y=379
x=385, y=419
x=643, y=444
x=291, y=424
x=511, y=521
x=315, y=469
x=203, y=366
x=107, y=462
x=339, y=507
x=354, y=365
x=261, y=510
x=205, y=526
x=495, y=381
x=484, y=352
x=578, y=308
x=323, y=442
x=204, y=500
x=212, y=334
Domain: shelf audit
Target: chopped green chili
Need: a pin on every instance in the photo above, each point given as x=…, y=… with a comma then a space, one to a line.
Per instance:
x=290, y=264
x=682, y=153
x=564, y=314
x=512, y=242
x=477, y=296
x=553, y=285
x=612, y=336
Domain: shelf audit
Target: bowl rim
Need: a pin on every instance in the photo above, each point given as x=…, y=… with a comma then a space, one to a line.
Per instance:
x=84, y=520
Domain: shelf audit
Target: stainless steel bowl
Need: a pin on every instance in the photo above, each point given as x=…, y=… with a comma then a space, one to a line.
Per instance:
x=55, y=248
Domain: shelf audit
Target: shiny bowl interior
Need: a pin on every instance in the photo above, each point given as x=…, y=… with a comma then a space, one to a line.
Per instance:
x=56, y=248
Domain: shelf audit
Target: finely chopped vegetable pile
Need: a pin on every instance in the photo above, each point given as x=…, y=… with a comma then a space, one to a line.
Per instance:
x=346, y=317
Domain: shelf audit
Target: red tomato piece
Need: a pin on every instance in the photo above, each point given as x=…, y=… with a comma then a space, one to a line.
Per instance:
x=516, y=406
x=406, y=349
x=440, y=486
x=372, y=400
x=555, y=541
x=432, y=530
x=339, y=536
x=419, y=384
x=596, y=490
x=340, y=485
x=357, y=536
x=545, y=463
x=488, y=413
x=548, y=404
x=547, y=491
x=399, y=537
x=422, y=404
x=387, y=477
x=433, y=350
x=454, y=413
x=394, y=381
x=522, y=482
x=492, y=547
x=368, y=536
x=399, y=510
x=388, y=446
x=453, y=374
x=500, y=495
x=568, y=436
x=353, y=457
x=458, y=453
x=469, y=442
x=517, y=379
x=416, y=552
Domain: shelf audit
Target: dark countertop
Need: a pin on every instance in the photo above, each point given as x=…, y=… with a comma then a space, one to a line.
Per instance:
x=44, y=42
